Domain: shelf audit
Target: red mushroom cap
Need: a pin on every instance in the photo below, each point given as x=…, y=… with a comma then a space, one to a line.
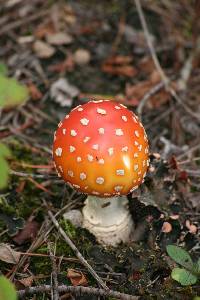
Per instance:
x=101, y=148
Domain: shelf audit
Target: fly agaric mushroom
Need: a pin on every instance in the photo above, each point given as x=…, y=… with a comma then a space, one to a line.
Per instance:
x=101, y=149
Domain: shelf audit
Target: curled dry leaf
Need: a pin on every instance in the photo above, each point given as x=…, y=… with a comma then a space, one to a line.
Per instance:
x=42, y=49
x=63, y=92
x=167, y=227
x=76, y=277
x=9, y=255
x=191, y=227
x=59, y=38
x=34, y=91
x=119, y=65
x=28, y=233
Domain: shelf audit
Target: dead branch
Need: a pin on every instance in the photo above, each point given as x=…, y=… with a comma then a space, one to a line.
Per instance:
x=76, y=290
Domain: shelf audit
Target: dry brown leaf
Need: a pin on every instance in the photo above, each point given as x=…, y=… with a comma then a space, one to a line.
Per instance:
x=42, y=49
x=119, y=65
x=59, y=38
x=76, y=277
x=26, y=281
x=34, y=91
x=9, y=255
x=167, y=227
x=28, y=233
x=66, y=65
x=43, y=29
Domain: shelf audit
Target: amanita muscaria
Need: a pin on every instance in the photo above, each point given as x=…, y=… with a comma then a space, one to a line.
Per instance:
x=101, y=149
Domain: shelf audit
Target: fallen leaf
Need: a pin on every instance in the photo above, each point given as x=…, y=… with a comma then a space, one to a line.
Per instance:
x=34, y=91
x=76, y=277
x=191, y=227
x=9, y=255
x=43, y=29
x=42, y=49
x=26, y=282
x=167, y=227
x=119, y=65
x=4, y=154
x=59, y=38
x=63, y=92
x=28, y=233
x=66, y=65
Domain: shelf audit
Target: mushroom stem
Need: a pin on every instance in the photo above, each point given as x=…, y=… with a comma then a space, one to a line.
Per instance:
x=108, y=219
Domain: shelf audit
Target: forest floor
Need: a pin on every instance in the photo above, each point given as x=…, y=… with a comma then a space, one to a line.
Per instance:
x=67, y=53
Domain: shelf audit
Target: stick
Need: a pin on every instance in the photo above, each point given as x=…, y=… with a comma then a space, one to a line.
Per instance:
x=76, y=251
x=77, y=290
x=163, y=76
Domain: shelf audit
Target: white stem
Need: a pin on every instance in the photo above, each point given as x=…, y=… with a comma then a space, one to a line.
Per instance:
x=108, y=219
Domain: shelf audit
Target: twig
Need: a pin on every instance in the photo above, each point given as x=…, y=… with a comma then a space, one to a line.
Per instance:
x=78, y=291
x=148, y=95
x=163, y=76
x=76, y=251
x=55, y=293
x=23, y=174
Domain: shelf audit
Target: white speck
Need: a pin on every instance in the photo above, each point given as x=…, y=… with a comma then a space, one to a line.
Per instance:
x=54, y=136
x=139, y=173
x=117, y=107
x=90, y=157
x=141, y=124
x=134, y=188
x=140, y=148
x=76, y=186
x=101, y=161
x=73, y=132
x=134, y=119
x=64, y=130
x=71, y=149
x=144, y=163
x=96, y=101
x=86, y=139
x=125, y=149
x=59, y=175
x=67, y=116
x=86, y=187
x=119, y=132
x=100, y=180
x=144, y=174
x=147, y=162
x=80, y=109
x=123, y=105
x=124, y=118
x=70, y=173
x=146, y=150
x=137, y=133
x=136, y=167
x=79, y=159
x=60, y=124
x=110, y=151
x=95, y=193
x=101, y=130
x=135, y=154
x=120, y=172
x=61, y=169
x=145, y=137
x=139, y=179
x=82, y=176
x=107, y=194
x=101, y=111
x=84, y=121
x=58, y=151
x=118, y=188
x=136, y=143
x=95, y=147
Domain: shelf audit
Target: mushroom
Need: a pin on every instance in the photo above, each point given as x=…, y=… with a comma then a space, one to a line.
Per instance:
x=101, y=149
